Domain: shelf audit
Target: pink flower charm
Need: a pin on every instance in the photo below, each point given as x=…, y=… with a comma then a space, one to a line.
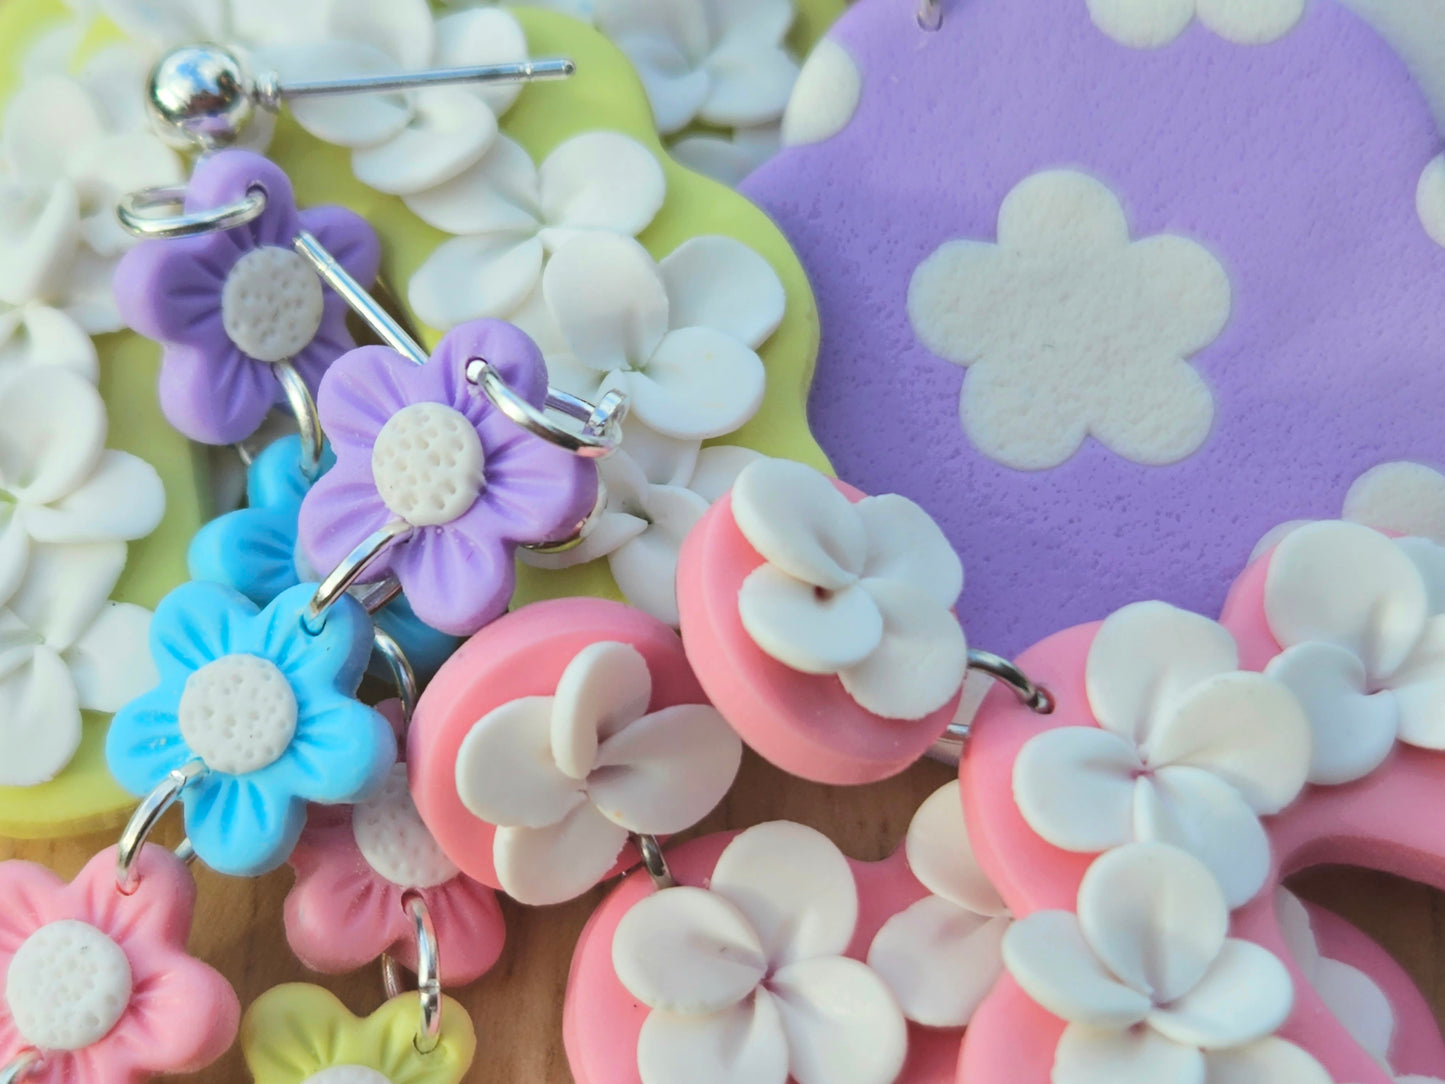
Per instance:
x=354, y=866
x=423, y=446
x=98, y=984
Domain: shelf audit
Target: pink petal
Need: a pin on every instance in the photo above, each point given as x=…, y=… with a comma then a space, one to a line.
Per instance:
x=33, y=897
x=339, y=914
x=469, y=923
x=183, y=1015
x=156, y=916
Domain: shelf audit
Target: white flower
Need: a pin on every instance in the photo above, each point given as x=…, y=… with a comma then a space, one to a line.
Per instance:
x=1362, y=620
x=862, y=590
x=567, y=777
x=1148, y=24
x=729, y=158
x=1189, y=750
x=1352, y=997
x=942, y=955
x=1070, y=329
x=1149, y=984
x=509, y=215
x=1400, y=497
x=719, y=61
x=403, y=143
x=748, y=977
x=678, y=338
x=59, y=486
x=656, y=493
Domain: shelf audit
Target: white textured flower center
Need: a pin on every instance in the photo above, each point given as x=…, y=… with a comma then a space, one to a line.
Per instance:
x=428, y=464
x=394, y=841
x=271, y=304
x=238, y=714
x=67, y=986
x=347, y=1074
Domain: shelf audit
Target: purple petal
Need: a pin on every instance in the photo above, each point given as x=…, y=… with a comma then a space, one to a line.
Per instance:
x=340, y=512
x=509, y=350
x=228, y=176
x=170, y=291
x=331, y=341
x=348, y=237
x=215, y=396
x=456, y=579
x=536, y=492
x=360, y=392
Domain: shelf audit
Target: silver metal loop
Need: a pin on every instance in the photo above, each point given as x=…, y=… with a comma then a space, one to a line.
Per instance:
x=655, y=862
x=386, y=326
x=600, y=433
x=143, y=821
x=303, y=406
x=21, y=1066
x=581, y=531
x=344, y=575
x=1033, y=696
x=428, y=974
x=375, y=597
x=134, y=207
x=402, y=672
x=930, y=14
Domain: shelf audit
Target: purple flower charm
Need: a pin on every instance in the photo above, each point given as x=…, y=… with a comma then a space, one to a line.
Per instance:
x=228, y=305
x=423, y=445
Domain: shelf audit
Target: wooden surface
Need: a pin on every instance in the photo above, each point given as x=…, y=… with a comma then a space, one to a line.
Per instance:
x=518, y=1005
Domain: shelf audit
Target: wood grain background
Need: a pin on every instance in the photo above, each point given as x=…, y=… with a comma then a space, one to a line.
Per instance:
x=518, y=1005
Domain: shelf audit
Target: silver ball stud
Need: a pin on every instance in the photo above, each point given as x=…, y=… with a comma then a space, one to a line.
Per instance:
x=200, y=96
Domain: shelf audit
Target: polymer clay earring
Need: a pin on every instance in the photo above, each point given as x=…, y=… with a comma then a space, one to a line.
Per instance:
x=98, y=986
x=558, y=738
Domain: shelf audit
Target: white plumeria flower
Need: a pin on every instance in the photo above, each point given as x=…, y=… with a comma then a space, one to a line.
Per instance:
x=1149, y=984
x=566, y=778
x=656, y=493
x=1148, y=24
x=403, y=143
x=1362, y=620
x=1070, y=328
x=719, y=61
x=679, y=337
x=863, y=591
x=747, y=979
x=1189, y=750
x=509, y=215
x=942, y=955
x=731, y=158
x=59, y=485
x=1352, y=997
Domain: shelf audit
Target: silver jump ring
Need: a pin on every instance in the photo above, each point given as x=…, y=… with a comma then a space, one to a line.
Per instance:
x=601, y=431
x=134, y=207
x=655, y=862
x=20, y=1067
x=930, y=14
x=303, y=406
x=428, y=974
x=581, y=531
x=344, y=575
x=143, y=821
x=1033, y=696
x=402, y=671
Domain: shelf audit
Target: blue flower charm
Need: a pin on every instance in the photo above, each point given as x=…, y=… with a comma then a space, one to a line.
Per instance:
x=266, y=706
x=254, y=551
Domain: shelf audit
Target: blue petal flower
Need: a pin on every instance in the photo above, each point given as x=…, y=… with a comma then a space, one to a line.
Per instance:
x=332, y=659
x=275, y=480
x=342, y=751
x=425, y=647
x=241, y=827
x=195, y=624
x=252, y=550
x=144, y=743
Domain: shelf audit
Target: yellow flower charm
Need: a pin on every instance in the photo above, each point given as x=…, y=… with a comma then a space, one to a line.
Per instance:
x=300, y=1034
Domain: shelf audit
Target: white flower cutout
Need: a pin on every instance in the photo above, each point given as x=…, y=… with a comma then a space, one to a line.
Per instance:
x=403, y=144
x=729, y=158
x=864, y=591
x=718, y=61
x=1352, y=997
x=1190, y=750
x=566, y=778
x=1361, y=618
x=656, y=493
x=748, y=977
x=1148, y=24
x=509, y=215
x=679, y=337
x=59, y=485
x=1069, y=329
x=1150, y=986
x=942, y=955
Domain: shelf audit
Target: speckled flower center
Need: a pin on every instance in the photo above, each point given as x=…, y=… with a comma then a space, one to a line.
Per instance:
x=394, y=841
x=346, y=1074
x=271, y=305
x=238, y=714
x=67, y=986
x=428, y=464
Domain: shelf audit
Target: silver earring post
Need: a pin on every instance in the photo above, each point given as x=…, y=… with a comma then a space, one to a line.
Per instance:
x=202, y=96
x=930, y=14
